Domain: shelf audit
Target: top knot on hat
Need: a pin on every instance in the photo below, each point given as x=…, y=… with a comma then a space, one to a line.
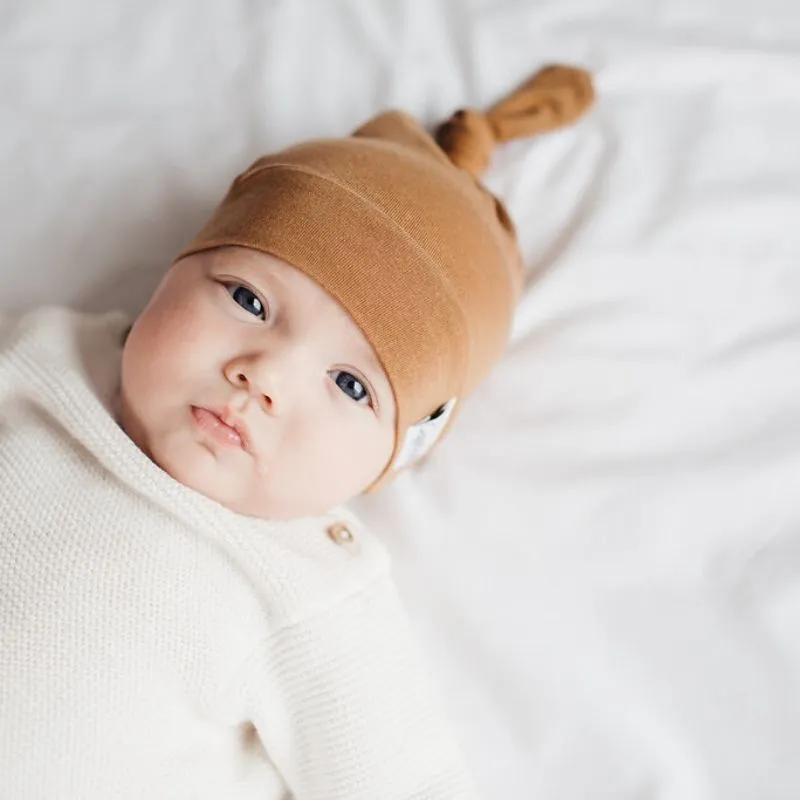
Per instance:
x=554, y=97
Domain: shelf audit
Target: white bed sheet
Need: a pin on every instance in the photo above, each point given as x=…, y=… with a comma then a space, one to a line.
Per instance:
x=603, y=561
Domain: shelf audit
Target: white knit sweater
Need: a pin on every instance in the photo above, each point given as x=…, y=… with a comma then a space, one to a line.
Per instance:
x=154, y=644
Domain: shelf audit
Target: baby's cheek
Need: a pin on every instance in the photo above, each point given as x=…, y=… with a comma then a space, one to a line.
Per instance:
x=145, y=368
x=347, y=461
x=141, y=357
x=168, y=341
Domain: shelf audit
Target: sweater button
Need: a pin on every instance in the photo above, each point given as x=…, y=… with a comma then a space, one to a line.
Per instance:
x=341, y=534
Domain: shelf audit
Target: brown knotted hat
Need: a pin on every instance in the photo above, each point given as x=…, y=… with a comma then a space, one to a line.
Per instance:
x=395, y=226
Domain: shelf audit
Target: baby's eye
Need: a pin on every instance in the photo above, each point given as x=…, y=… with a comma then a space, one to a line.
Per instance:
x=247, y=299
x=351, y=386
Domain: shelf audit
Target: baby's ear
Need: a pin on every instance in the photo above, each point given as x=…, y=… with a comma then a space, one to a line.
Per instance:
x=125, y=334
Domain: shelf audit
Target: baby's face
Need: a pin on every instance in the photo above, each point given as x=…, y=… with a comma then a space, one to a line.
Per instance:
x=247, y=382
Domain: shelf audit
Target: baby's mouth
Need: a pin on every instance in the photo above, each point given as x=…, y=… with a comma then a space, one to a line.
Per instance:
x=222, y=428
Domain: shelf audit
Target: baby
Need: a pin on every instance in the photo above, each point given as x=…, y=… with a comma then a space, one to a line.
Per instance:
x=186, y=610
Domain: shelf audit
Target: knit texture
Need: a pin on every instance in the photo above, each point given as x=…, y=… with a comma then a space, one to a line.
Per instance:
x=155, y=645
x=396, y=227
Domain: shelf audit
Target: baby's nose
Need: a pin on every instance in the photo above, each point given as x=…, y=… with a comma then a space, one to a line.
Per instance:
x=269, y=380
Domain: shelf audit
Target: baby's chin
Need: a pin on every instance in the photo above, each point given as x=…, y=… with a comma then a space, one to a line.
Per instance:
x=198, y=469
x=232, y=483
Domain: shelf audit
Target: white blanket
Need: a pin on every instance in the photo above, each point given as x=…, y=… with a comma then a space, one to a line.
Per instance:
x=603, y=560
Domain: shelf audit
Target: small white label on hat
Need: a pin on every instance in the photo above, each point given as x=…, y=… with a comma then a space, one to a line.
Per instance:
x=423, y=435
